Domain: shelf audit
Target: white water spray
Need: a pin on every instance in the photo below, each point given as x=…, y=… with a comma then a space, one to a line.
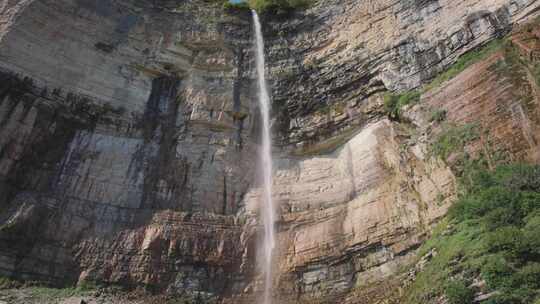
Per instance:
x=267, y=210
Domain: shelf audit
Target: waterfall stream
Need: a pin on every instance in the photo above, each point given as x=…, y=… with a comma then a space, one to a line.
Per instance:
x=267, y=207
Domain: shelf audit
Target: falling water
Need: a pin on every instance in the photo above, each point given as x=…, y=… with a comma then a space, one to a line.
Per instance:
x=266, y=163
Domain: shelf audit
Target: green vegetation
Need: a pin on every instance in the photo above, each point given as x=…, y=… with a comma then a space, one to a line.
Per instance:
x=8, y=283
x=394, y=102
x=278, y=6
x=38, y=290
x=56, y=293
x=235, y=6
x=438, y=115
x=465, y=61
x=492, y=233
x=267, y=6
x=536, y=73
x=452, y=139
x=458, y=292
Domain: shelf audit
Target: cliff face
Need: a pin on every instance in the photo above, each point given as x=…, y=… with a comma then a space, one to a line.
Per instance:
x=129, y=133
x=126, y=144
x=340, y=53
x=353, y=216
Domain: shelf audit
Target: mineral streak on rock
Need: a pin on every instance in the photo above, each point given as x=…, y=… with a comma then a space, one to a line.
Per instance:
x=128, y=132
x=125, y=155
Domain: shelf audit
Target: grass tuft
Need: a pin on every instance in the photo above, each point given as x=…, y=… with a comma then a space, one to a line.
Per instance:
x=393, y=103
x=452, y=139
x=438, y=115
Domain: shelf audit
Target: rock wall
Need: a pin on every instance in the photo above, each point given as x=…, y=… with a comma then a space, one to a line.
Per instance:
x=352, y=219
x=329, y=59
x=129, y=131
x=127, y=145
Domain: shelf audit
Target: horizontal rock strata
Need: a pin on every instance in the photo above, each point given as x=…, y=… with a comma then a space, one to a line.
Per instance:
x=129, y=135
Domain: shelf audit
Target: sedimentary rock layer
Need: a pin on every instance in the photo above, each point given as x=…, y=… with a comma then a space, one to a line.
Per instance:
x=126, y=145
x=129, y=130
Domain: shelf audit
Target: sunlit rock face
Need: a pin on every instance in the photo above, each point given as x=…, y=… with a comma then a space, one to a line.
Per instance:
x=339, y=53
x=129, y=130
x=350, y=218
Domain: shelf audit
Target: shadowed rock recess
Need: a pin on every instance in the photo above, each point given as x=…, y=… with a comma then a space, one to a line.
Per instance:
x=129, y=132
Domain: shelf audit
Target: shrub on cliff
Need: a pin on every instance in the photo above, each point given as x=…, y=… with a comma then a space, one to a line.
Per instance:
x=457, y=292
x=438, y=115
x=393, y=103
x=492, y=233
x=453, y=138
x=231, y=6
x=264, y=6
x=277, y=6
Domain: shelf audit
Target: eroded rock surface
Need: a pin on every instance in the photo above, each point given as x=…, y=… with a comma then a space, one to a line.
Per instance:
x=327, y=61
x=126, y=145
x=129, y=130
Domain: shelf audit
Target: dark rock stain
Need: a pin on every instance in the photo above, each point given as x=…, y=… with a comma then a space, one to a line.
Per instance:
x=165, y=173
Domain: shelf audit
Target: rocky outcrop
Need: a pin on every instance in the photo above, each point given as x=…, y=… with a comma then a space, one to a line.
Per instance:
x=500, y=97
x=129, y=130
x=325, y=62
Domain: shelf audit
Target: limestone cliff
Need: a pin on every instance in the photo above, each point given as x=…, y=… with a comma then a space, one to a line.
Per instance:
x=129, y=131
x=126, y=144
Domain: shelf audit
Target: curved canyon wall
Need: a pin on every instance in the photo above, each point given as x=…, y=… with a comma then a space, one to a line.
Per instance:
x=130, y=129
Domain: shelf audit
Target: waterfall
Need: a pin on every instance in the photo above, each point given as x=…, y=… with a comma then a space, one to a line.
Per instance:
x=267, y=207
